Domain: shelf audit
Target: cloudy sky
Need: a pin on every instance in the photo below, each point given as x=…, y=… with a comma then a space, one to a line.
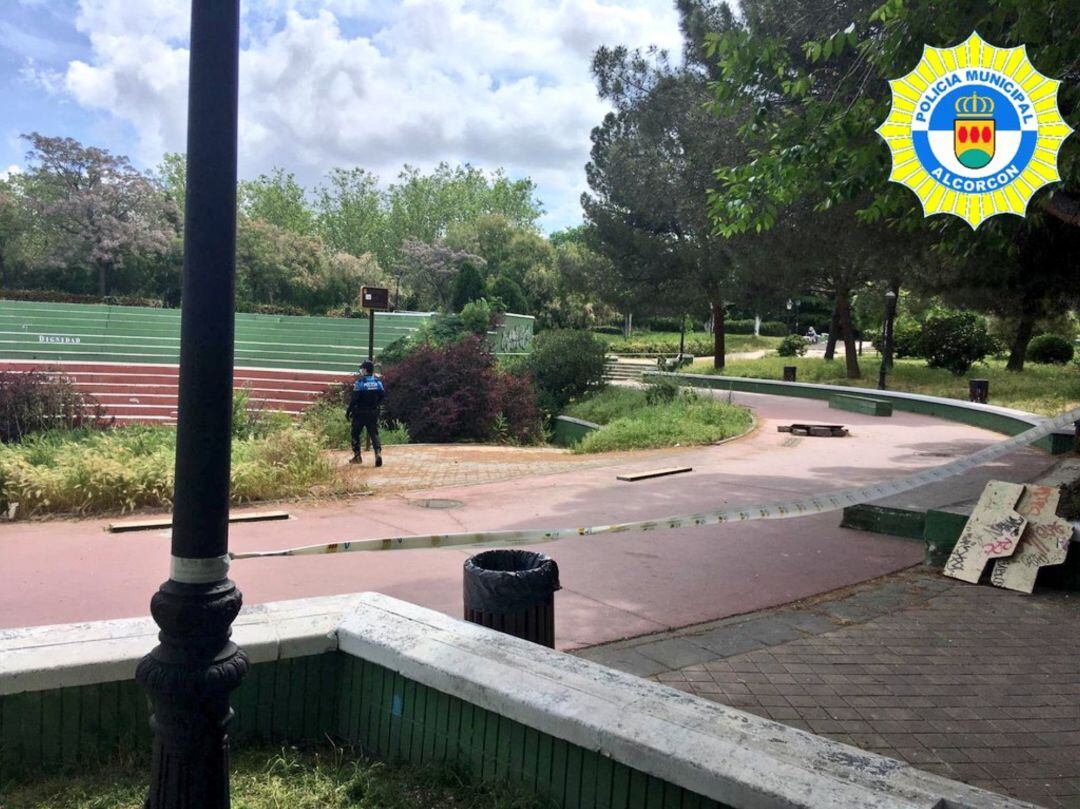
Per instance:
x=374, y=83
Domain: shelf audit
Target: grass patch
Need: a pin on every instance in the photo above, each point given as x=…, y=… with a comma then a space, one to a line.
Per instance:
x=608, y=404
x=127, y=468
x=686, y=420
x=288, y=778
x=1045, y=389
x=698, y=344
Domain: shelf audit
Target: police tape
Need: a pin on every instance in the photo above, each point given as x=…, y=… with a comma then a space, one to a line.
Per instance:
x=784, y=509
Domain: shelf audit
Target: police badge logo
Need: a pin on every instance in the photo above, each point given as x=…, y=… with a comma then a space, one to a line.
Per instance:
x=974, y=130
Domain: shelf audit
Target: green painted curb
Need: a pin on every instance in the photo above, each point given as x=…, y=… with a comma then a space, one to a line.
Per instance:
x=897, y=522
x=861, y=404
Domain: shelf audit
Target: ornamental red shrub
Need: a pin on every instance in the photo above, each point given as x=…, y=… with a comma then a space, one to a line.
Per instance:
x=517, y=399
x=443, y=393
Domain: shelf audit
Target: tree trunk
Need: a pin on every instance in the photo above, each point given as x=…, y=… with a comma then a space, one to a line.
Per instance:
x=103, y=279
x=627, y=325
x=843, y=317
x=834, y=327
x=1018, y=347
x=718, y=333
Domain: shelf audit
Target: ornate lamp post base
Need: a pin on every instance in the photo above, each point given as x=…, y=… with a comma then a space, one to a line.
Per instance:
x=189, y=677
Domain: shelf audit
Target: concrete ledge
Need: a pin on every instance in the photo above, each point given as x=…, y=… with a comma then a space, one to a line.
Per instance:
x=729, y=756
x=1003, y=420
x=48, y=657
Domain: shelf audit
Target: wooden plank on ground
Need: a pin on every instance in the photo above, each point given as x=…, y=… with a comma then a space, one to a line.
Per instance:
x=655, y=473
x=150, y=525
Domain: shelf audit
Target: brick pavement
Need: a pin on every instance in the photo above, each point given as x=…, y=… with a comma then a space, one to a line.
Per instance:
x=419, y=467
x=971, y=682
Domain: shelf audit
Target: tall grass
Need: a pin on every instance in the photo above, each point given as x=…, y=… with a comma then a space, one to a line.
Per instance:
x=94, y=472
x=631, y=423
x=1045, y=389
x=326, y=419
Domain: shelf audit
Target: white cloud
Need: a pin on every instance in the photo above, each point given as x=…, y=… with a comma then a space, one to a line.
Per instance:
x=10, y=172
x=377, y=83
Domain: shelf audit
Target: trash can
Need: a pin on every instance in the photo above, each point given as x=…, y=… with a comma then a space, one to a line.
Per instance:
x=513, y=591
x=979, y=390
x=790, y=372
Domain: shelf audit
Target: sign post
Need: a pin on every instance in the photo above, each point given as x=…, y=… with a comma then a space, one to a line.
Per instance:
x=373, y=299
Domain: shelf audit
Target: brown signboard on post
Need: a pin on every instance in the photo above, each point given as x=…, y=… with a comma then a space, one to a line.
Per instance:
x=375, y=298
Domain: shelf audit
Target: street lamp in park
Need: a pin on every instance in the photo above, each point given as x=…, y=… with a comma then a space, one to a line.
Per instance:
x=887, y=338
x=191, y=672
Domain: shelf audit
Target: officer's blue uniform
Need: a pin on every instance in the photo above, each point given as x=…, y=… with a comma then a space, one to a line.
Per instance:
x=368, y=393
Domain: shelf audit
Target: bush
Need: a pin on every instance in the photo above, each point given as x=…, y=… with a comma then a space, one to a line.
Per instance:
x=1050, y=349
x=455, y=392
x=907, y=338
x=48, y=296
x=32, y=402
x=566, y=365
x=269, y=309
x=468, y=287
x=397, y=350
x=477, y=316
x=955, y=341
x=518, y=420
x=791, y=346
x=671, y=324
x=509, y=293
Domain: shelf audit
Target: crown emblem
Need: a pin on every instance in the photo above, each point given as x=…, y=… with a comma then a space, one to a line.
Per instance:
x=974, y=106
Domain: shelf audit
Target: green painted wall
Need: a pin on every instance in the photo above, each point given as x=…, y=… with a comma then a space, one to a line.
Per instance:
x=566, y=431
x=399, y=719
x=349, y=699
x=99, y=333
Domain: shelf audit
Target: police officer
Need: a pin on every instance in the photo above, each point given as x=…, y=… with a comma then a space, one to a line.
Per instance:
x=363, y=411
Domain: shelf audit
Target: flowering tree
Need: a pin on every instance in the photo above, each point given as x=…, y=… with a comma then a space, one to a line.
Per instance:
x=95, y=210
x=430, y=269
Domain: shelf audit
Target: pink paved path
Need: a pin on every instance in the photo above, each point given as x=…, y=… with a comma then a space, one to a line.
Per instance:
x=615, y=587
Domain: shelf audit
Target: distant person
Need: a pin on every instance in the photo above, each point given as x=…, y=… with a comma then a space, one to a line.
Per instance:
x=363, y=411
x=811, y=335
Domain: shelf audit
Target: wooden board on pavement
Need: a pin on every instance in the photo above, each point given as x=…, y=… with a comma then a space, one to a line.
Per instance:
x=150, y=525
x=655, y=473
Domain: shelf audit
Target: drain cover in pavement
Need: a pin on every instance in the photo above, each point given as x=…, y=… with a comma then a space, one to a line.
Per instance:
x=436, y=503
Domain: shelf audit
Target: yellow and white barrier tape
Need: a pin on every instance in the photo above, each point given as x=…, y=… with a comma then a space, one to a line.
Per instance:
x=817, y=504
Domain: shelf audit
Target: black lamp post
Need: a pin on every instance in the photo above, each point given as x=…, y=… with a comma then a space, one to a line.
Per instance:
x=190, y=674
x=887, y=337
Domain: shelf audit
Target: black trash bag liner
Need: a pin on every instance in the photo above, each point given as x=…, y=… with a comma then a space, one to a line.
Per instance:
x=503, y=581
